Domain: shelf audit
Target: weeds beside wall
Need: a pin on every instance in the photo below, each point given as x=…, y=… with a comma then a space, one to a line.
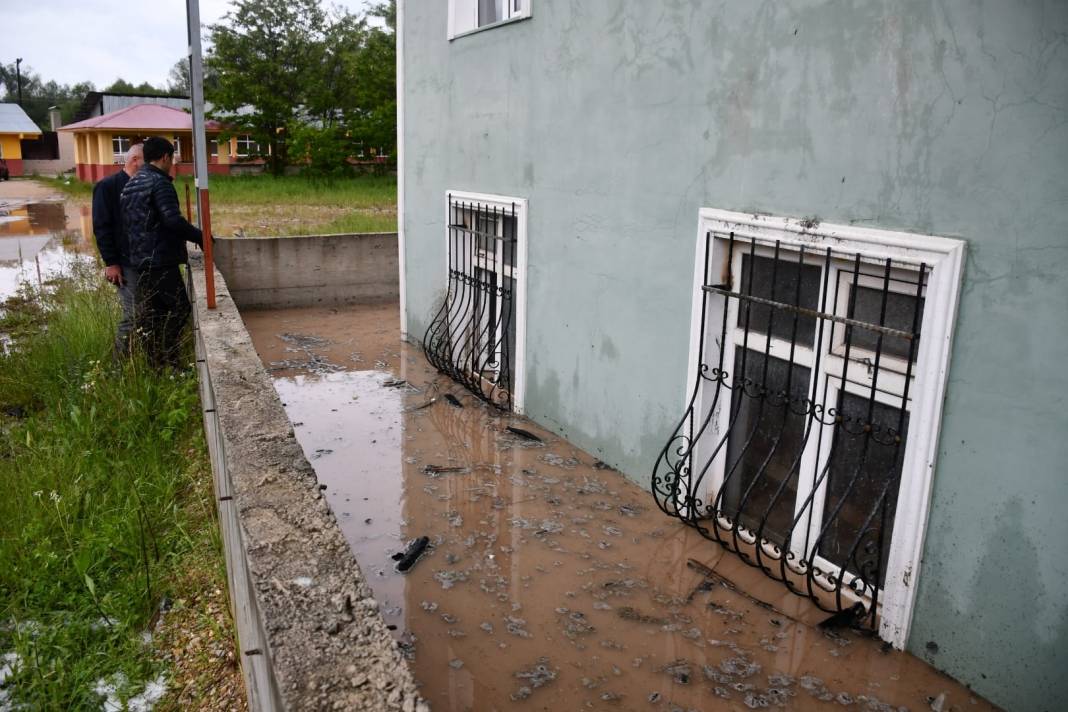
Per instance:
x=106, y=509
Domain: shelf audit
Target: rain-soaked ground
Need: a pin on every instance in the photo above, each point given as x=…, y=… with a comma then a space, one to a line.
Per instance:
x=551, y=582
x=40, y=235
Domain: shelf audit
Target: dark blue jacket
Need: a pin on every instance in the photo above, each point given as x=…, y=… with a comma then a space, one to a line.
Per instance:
x=153, y=222
x=107, y=220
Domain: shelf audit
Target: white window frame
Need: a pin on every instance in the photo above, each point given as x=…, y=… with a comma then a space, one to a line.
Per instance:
x=463, y=16
x=249, y=142
x=518, y=273
x=944, y=259
x=119, y=156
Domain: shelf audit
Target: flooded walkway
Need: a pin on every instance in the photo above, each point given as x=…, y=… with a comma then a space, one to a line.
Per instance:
x=41, y=235
x=551, y=581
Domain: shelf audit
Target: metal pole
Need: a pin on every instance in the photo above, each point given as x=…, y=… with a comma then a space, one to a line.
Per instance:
x=18, y=78
x=188, y=205
x=200, y=144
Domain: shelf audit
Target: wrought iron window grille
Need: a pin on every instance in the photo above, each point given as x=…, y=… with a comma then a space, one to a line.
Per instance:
x=790, y=450
x=472, y=337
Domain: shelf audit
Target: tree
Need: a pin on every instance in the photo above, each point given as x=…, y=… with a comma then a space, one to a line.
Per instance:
x=260, y=54
x=39, y=95
x=178, y=78
x=281, y=66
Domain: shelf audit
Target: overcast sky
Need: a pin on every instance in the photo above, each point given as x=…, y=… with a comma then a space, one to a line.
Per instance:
x=58, y=38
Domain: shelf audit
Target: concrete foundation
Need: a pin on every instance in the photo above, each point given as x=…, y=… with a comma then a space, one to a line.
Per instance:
x=311, y=270
x=310, y=633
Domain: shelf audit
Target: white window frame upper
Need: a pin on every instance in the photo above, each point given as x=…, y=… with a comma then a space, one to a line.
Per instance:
x=944, y=259
x=119, y=140
x=518, y=272
x=463, y=16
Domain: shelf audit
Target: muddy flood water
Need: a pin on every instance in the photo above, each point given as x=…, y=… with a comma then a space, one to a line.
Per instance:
x=551, y=582
x=41, y=236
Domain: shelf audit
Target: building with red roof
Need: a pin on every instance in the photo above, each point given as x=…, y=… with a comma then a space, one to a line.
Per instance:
x=101, y=142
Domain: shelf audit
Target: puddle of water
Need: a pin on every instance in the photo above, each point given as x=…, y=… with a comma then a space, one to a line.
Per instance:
x=39, y=240
x=550, y=582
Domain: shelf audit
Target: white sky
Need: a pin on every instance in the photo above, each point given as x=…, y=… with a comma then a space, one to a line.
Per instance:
x=57, y=38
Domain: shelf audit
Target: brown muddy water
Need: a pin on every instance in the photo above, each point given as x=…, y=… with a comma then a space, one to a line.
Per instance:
x=552, y=583
x=41, y=236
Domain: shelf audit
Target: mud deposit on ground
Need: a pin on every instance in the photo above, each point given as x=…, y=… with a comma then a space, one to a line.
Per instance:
x=550, y=581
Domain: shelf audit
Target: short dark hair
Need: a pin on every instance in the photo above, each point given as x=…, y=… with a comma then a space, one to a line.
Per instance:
x=156, y=147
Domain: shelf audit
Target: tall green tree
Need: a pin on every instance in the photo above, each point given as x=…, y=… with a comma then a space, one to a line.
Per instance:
x=261, y=54
x=303, y=78
x=38, y=95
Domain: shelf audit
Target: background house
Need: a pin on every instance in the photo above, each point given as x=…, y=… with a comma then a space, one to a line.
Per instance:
x=15, y=126
x=101, y=142
x=596, y=141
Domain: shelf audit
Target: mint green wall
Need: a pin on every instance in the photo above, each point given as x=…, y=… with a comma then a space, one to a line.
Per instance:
x=619, y=119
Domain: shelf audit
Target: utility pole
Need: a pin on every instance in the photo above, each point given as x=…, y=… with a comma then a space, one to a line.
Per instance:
x=200, y=144
x=18, y=78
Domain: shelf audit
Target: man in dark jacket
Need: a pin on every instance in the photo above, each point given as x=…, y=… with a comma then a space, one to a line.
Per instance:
x=157, y=234
x=111, y=241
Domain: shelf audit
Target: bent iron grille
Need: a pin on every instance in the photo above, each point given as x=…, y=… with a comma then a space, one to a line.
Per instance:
x=472, y=336
x=790, y=451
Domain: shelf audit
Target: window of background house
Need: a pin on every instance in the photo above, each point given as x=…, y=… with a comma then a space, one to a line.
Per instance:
x=213, y=148
x=818, y=364
x=119, y=146
x=469, y=15
x=247, y=146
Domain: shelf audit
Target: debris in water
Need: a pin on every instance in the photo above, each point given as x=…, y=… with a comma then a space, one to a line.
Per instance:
x=411, y=555
x=538, y=675
x=429, y=606
x=847, y=618
x=740, y=667
x=679, y=670
x=448, y=578
x=429, y=403
x=628, y=613
x=516, y=626
x=456, y=663
x=442, y=469
x=488, y=627
x=523, y=433
x=453, y=400
x=394, y=383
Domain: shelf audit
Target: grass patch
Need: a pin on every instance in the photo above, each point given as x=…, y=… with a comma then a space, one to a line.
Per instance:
x=265, y=205
x=106, y=502
x=70, y=186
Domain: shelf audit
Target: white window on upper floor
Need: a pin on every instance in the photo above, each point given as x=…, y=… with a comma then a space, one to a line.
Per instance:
x=470, y=15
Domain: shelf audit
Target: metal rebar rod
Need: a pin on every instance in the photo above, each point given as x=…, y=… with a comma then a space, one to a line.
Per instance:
x=717, y=289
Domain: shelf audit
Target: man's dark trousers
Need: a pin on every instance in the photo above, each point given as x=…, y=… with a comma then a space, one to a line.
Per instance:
x=163, y=308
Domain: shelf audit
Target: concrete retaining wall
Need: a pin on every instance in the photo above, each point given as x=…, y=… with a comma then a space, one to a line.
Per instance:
x=310, y=634
x=311, y=270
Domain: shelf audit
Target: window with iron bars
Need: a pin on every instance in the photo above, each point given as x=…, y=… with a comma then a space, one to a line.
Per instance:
x=476, y=336
x=808, y=440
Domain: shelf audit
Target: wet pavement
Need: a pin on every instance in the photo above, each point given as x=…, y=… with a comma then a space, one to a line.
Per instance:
x=41, y=235
x=550, y=581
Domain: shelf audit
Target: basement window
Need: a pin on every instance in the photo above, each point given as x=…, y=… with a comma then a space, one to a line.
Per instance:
x=467, y=16
x=478, y=333
x=818, y=361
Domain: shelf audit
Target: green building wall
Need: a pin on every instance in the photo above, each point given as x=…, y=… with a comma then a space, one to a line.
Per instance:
x=619, y=119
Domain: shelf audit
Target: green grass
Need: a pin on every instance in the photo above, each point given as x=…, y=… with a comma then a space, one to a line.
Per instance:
x=366, y=191
x=70, y=186
x=352, y=222
x=104, y=496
